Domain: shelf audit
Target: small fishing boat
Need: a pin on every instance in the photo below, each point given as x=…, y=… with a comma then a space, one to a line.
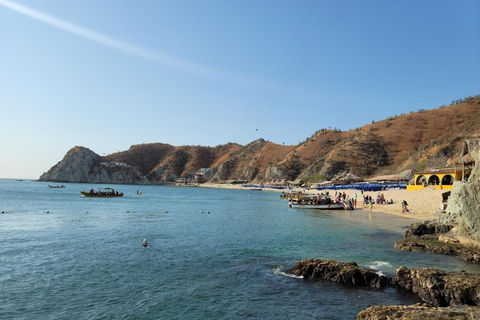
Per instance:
x=56, y=186
x=102, y=193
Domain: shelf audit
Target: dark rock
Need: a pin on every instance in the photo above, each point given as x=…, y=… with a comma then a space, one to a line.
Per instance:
x=440, y=288
x=430, y=242
x=427, y=228
x=420, y=311
x=341, y=272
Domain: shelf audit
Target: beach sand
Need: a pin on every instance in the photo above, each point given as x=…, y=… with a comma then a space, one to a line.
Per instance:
x=422, y=204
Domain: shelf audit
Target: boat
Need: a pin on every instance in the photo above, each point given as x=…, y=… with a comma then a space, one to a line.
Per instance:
x=319, y=203
x=102, y=193
x=321, y=206
x=56, y=186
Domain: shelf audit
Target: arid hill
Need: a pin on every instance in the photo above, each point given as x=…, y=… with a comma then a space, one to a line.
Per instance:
x=417, y=140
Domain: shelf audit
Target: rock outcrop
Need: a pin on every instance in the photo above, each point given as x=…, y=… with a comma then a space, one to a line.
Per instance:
x=419, y=229
x=464, y=203
x=82, y=165
x=424, y=236
x=341, y=272
x=440, y=288
x=419, y=311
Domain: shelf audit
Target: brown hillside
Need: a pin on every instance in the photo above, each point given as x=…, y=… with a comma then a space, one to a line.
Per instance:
x=417, y=140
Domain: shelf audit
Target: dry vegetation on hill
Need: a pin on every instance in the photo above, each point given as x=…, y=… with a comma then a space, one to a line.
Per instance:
x=417, y=140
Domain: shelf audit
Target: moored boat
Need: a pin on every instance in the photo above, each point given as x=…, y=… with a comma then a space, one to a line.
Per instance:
x=320, y=202
x=56, y=186
x=325, y=206
x=103, y=193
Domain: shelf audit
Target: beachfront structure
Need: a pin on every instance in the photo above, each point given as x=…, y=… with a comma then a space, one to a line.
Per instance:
x=444, y=178
x=440, y=178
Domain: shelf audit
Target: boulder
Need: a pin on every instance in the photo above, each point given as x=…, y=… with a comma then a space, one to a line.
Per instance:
x=420, y=311
x=440, y=288
x=341, y=272
x=423, y=228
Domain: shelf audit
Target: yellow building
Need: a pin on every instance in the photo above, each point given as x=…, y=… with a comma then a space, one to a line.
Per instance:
x=444, y=178
x=440, y=178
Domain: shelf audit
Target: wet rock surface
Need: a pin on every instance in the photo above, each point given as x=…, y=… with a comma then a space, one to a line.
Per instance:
x=420, y=311
x=440, y=288
x=341, y=272
x=425, y=237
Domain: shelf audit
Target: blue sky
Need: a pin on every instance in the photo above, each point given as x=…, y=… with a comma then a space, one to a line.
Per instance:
x=110, y=74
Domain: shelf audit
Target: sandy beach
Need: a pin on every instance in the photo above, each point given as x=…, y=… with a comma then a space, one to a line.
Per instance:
x=422, y=204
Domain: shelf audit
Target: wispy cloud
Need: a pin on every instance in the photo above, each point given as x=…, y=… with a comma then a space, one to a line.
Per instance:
x=162, y=59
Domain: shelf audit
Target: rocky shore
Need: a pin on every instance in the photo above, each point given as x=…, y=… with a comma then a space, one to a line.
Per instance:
x=442, y=291
x=420, y=311
x=341, y=272
x=425, y=236
x=440, y=288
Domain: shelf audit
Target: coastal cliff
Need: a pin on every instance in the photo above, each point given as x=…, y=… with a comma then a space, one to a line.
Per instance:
x=402, y=142
x=83, y=165
x=464, y=203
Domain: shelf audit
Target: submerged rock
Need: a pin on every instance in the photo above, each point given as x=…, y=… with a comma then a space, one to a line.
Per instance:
x=440, y=288
x=420, y=311
x=341, y=272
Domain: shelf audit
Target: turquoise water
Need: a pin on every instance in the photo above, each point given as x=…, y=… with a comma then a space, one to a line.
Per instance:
x=84, y=259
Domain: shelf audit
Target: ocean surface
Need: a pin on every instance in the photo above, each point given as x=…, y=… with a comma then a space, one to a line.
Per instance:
x=84, y=259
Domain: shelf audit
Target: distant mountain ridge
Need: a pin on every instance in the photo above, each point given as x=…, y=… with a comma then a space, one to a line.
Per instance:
x=417, y=140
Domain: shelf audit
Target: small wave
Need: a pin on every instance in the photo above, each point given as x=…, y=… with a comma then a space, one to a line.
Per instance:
x=279, y=271
x=378, y=264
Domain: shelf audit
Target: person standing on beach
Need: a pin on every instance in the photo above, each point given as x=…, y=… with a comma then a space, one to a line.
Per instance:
x=371, y=206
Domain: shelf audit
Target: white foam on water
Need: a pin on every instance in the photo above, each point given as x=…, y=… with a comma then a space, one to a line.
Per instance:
x=378, y=264
x=279, y=271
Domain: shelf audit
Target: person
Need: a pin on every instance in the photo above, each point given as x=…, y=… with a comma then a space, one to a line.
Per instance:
x=404, y=206
x=371, y=206
x=144, y=242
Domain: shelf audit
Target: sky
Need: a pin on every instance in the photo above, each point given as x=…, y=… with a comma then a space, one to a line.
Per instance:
x=110, y=74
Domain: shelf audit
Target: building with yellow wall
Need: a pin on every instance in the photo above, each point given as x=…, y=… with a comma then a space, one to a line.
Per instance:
x=440, y=178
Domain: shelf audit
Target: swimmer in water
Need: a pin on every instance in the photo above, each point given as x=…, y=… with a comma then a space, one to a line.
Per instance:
x=144, y=243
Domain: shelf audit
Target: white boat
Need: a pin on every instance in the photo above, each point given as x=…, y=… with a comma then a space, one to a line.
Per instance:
x=325, y=206
x=323, y=202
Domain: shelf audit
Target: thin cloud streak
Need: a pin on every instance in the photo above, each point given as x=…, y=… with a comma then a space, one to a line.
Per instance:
x=126, y=47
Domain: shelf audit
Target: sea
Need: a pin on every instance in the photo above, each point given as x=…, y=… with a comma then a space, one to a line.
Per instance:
x=212, y=254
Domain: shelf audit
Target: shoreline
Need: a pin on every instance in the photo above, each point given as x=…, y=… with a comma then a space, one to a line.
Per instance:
x=423, y=204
